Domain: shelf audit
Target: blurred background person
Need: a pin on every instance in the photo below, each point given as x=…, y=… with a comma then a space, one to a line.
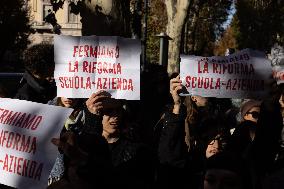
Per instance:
x=38, y=84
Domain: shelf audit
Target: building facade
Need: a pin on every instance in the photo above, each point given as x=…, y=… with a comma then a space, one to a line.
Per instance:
x=69, y=22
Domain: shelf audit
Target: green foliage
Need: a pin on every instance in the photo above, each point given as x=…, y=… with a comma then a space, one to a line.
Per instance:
x=157, y=22
x=227, y=41
x=15, y=28
x=205, y=25
x=258, y=24
x=95, y=21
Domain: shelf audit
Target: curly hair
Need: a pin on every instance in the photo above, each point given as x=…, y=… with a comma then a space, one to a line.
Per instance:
x=39, y=59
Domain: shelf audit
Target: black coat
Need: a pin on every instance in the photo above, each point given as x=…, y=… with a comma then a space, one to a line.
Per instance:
x=123, y=164
x=178, y=167
x=267, y=140
x=132, y=164
x=34, y=90
x=259, y=155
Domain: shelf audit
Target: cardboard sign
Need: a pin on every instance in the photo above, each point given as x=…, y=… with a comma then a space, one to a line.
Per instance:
x=26, y=152
x=88, y=64
x=245, y=74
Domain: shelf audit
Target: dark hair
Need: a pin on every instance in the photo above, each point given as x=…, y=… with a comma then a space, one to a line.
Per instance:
x=39, y=59
x=230, y=162
x=191, y=110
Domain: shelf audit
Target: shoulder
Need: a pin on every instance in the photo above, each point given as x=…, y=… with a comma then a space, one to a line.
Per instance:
x=24, y=93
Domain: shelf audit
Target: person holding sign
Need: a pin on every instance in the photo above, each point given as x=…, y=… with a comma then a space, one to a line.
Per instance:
x=104, y=149
x=75, y=124
x=26, y=155
x=132, y=163
x=188, y=127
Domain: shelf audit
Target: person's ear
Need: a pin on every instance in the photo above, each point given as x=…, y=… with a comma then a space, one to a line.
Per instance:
x=193, y=98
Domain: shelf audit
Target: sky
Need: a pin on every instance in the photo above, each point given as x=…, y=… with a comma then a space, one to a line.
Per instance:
x=230, y=17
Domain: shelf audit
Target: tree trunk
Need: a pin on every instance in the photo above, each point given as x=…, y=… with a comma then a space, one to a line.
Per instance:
x=106, y=18
x=191, y=33
x=177, y=12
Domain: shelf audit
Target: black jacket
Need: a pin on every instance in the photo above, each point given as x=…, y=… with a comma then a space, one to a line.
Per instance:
x=34, y=90
x=178, y=167
x=123, y=164
x=267, y=140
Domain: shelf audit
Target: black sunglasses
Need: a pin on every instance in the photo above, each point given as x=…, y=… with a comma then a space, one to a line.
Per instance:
x=254, y=114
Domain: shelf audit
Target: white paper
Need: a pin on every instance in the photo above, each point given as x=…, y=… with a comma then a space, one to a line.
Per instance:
x=94, y=63
x=26, y=152
x=245, y=74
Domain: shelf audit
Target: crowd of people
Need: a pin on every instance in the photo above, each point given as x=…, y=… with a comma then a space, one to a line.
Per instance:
x=162, y=141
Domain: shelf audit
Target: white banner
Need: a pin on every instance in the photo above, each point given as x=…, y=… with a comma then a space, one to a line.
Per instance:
x=245, y=74
x=26, y=152
x=87, y=64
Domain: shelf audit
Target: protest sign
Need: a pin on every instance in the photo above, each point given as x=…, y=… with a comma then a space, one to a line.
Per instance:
x=26, y=152
x=87, y=64
x=277, y=63
x=245, y=74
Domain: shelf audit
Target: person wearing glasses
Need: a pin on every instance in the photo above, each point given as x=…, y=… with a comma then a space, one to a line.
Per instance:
x=242, y=141
x=250, y=110
x=188, y=127
x=244, y=133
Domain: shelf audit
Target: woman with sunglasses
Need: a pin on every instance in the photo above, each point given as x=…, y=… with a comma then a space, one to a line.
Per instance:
x=244, y=133
x=241, y=142
x=250, y=110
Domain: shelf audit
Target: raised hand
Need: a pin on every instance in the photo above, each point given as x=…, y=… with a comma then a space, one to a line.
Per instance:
x=95, y=103
x=175, y=88
x=100, y=102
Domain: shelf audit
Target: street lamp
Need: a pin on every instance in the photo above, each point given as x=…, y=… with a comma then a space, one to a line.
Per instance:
x=144, y=39
x=164, y=49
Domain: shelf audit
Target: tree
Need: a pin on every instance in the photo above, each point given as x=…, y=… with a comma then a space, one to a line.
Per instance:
x=194, y=26
x=15, y=28
x=108, y=18
x=227, y=41
x=157, y=21
x=177, y=12
x=204, y=26
x=258, y=24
